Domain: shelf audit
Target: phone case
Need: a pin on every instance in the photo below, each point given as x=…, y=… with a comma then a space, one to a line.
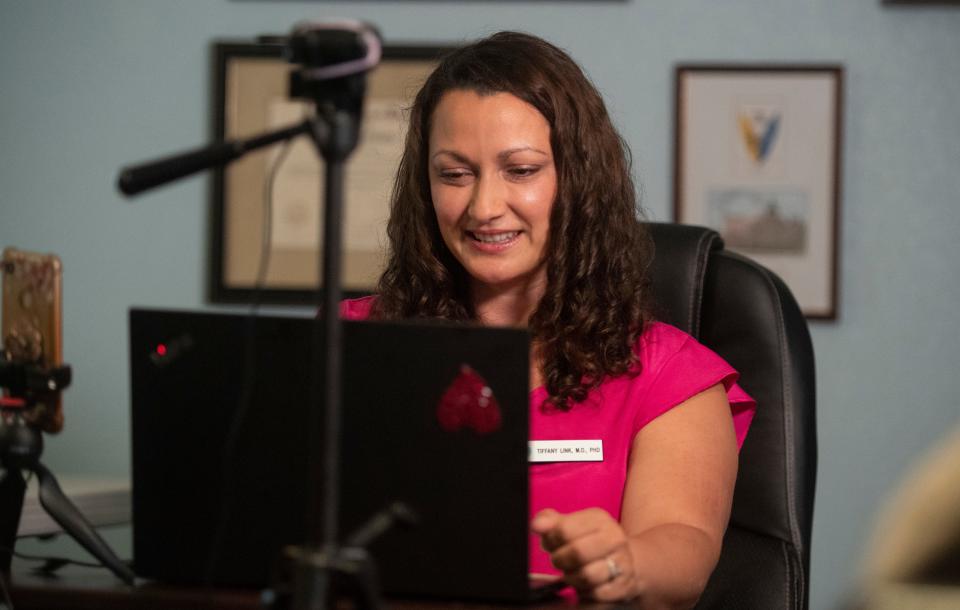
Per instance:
x=31, y=327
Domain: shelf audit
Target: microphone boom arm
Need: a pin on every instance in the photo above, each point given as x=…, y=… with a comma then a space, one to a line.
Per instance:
x=138, y=178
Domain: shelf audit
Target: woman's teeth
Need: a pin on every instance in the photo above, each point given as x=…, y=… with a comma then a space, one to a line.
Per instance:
x=495, y=238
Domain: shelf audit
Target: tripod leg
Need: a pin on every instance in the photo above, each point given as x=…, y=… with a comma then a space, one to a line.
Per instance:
x=357, y=567
x=12, y=488
x=312, y=586
x=73, y=522
x=368, y=589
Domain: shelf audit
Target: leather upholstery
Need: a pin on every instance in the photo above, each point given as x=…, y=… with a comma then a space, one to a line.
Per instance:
x=746, y=314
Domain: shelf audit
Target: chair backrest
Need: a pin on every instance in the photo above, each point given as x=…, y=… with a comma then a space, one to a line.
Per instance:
x=746, y=314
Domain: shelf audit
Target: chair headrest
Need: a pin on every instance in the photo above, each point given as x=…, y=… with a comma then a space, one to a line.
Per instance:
x=677, y=272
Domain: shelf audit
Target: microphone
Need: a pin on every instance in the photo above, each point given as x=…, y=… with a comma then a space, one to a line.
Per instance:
x=333, y=59
x=333, y=49
x=333, y=56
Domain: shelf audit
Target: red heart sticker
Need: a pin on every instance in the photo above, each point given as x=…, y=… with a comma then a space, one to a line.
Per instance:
x=469, y=402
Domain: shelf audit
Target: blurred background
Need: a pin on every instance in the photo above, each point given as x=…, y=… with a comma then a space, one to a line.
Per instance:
x=87, y=87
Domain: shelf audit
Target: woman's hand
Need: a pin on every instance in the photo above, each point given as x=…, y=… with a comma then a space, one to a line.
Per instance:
x=591, y=549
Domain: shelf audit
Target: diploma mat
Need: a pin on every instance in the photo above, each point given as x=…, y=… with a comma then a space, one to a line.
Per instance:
x=226, y=409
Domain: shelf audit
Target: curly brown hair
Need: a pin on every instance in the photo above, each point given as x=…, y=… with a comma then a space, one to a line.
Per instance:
x=596, y=300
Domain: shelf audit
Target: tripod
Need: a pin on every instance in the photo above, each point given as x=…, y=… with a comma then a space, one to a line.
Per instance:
x=21, y=444
x=333, y=61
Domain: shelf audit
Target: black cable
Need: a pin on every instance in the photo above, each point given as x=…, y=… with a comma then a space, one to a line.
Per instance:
x=249, y=375
x=250, y=340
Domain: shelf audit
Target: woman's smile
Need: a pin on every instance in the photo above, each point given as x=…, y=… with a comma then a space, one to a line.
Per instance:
x=493, y=241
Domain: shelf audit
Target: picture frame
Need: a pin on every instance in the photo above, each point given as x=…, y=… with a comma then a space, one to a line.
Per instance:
x=250, y=98
x=758, y=157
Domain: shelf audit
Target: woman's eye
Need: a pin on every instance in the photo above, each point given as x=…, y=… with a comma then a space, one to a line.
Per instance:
x=523, y=171
x=454, y=175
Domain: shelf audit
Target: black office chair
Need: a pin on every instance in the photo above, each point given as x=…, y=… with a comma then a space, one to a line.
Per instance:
x=747, y=315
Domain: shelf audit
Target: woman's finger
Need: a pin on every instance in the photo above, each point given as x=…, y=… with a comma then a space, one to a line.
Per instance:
x=544, y=521
x=590, y=547
x=572, y=526
x=599, y=577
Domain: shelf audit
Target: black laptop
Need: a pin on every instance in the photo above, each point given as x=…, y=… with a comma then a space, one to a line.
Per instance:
x=206, y=515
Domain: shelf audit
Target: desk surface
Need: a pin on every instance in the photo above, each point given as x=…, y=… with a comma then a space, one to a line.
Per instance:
x=95, y=588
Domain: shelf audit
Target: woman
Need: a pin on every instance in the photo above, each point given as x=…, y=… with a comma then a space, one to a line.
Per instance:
x=514, y=206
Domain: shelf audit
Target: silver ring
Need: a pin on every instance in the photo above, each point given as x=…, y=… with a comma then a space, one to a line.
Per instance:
x=613, y=568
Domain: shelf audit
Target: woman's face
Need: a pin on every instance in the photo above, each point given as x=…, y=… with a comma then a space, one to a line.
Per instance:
x=493, y=184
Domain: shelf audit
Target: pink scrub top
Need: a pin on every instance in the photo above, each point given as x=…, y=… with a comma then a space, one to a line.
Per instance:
x=674, y=368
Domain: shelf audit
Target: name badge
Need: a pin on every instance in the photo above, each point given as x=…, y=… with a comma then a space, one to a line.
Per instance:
x=567, y=451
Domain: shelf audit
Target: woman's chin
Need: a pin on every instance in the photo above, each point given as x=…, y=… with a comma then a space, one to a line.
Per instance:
x=501, y=280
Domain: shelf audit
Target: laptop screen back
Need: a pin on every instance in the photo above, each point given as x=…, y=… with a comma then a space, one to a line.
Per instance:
x=418, y=427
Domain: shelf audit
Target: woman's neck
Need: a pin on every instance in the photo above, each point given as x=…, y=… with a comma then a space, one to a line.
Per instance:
x=510, y=305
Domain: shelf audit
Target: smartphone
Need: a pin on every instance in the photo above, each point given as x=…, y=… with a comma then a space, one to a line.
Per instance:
x=31, y=328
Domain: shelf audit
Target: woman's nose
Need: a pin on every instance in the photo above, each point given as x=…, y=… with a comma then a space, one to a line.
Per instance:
x=488, y=201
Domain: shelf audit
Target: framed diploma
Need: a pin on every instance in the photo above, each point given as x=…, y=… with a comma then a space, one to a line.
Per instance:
x=266, y=207
x=758, y=159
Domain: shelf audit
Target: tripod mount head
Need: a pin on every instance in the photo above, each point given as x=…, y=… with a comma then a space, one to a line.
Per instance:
x=27, y=388
x=334, y=58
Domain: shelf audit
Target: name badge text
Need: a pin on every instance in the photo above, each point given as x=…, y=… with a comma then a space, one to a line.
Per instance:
x=590, y=450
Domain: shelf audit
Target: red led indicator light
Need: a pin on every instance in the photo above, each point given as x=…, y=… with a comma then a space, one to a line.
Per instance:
x=161, y=350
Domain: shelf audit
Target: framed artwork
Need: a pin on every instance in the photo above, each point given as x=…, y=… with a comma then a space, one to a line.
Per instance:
x=757, y=157
x=250, y=98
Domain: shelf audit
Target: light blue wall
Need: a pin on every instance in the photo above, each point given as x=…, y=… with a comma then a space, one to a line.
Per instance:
x=86, y=87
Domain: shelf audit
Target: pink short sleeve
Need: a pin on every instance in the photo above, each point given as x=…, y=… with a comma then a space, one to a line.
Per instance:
x=682, y=368
x=356, y=309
